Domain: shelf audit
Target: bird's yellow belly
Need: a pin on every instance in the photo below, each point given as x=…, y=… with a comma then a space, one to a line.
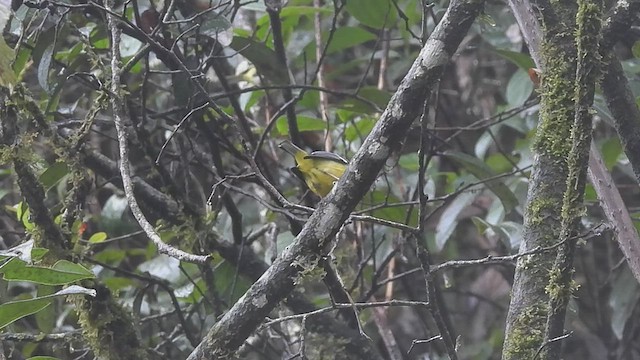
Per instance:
x=321, y=181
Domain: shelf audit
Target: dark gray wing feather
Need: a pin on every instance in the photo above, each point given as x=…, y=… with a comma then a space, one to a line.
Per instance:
x=326, y=155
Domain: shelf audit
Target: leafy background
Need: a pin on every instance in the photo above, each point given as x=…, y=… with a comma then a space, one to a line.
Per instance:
x=482, y=121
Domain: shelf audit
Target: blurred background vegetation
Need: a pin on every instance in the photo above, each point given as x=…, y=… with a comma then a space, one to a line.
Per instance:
x=480, y=124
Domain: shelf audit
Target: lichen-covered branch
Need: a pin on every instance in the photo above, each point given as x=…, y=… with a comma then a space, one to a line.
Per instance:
x=107, y=326
x=14, y=149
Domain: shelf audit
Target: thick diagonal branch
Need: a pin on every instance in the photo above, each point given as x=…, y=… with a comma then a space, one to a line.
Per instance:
x=245, y=316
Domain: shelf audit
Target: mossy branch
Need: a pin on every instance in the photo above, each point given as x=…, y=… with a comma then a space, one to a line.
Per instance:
x=542, y=226
x=106, y=325
x=15, y=150
x=588, y=20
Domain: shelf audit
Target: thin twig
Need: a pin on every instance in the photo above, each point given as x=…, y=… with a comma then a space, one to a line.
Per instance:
x=551, y=341
x=415, y=342
x=336, y=306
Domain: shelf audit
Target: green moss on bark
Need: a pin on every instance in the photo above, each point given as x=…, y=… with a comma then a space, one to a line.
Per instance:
x=529, y=305
x=557, y=108
x=539, y=209
x=527, y=334
x=107, y=327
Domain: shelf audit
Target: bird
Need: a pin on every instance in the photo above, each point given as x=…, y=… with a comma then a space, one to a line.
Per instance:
x=319, y=170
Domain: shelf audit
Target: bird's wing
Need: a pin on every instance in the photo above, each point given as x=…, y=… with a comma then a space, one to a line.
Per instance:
x=326, y=156
x=295, y=171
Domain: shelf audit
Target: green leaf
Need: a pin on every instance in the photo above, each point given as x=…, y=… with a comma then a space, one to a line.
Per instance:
x=373, y=13
x=303, y=10
x=449, y=218
x=379, y=97
x=61, y=273
x=46, y=318
x=24, y=214
x=519, y=88
x=38, y=253
x=247, y=100
x=499, y=163
x=44, y=66
x=523, y=61
x=73, y=268
x=347, y=37
x=7, y=76
x=509, y=232
x=21, y=59
x=116, y=283
x=226, y=280
x=409, y=161
x=98, y=38
x=590, y=194
x=339, y=70
x=399, y=214
x=15, y=310
x=635, y=49
x=611, y=150
x=343, y=38
x=305, y=123
x=263, y=58
x=98, y=237
x=310, y=100
x=360, y=129
x=70, y=54
x=480, y=170
x=53, y=174
x=111, y=256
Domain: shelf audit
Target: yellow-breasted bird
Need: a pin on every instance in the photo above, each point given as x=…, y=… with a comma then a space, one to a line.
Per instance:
x=319, y=170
